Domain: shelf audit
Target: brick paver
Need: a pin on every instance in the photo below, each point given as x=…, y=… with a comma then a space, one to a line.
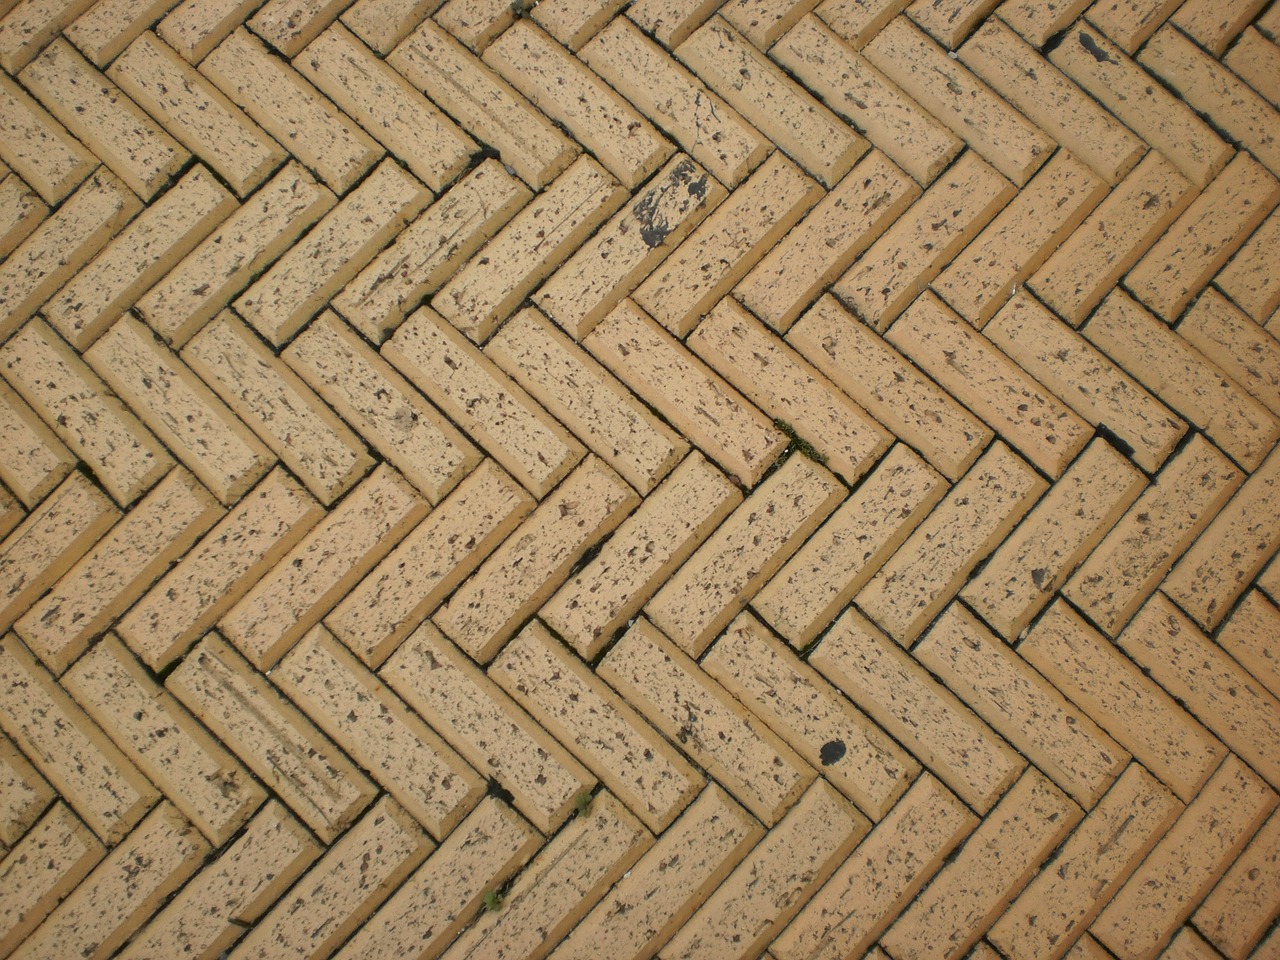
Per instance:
x=765, y=479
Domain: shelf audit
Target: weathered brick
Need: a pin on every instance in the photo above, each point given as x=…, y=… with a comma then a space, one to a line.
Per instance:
x=289, y=25
x=764, y=21
x=1256, y=60
x=25, y=795
x=476, y=22
x=1130, y=22
x=671, y=21
x=1242, y=348
x=384, y=23
x=1250, y=279
x=857, y=22
x=21, y=211
x=38, y=147
x=195, y=27
x=103, y=31
x=1247, y=634
x=574, y=22
x=28, y=27
x=1247, y=898
x=949, y=21
x=1214, y=25
x=1038, y=20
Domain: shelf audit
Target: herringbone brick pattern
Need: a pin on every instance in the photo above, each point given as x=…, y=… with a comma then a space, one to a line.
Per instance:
x=674, y=478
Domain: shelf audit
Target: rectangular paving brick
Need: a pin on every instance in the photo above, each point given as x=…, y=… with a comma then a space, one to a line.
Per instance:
x=263, y=227
x=1063, y=899
x=205, y=583
x=957, y=98
x=857, y=22
x=560, y=885
x=811, y=716
x=705, y=408
x=290, y=25
x=387, y=411
x=1063, y=743
x=384, y=23
x=60, y=246
x=631, y=759
x=950, y=740
x=775, y=880
x=409, y=125
x=535, y=559
x=271, y=737
x=483, y=292
x=971, y=891
x=103, y=31
x=308, y=581
x=118, y=569
x=123, y=890
x=198, y=775
x=574, y=22
x=475, y=22
x=1021, y=237
x=55, y=535
x=973, y=370
x=25, y=797
x=1103, y=683
x=278, y=406
x=726, y=739
x=195, y=27
x=212, y=911
x=423, y=254
x=1213, y=829
x=28, y=27
x=186, y=415
x=44, y=866
x=787, y=388
x=610, y=264
x=1246, y=636
x=1153, y=113
x=822, y=577
x=1247, y=898
x=1086, y=379
x=343, y=888
x=659, y=536
x=704, y=125
x=1242, y=348
x=398, y=750
x=764, y=21
x=1256, y=60
x=428, y=909
x=86, y=769
x=924, y=574
x=727, y=244
x=762, y=533
x=788, y=115
x=290, y=109
x=893, y=391
x=438, y=554
x=487, y=727
x=38, y=147
x=949, y=21
x=196, y=113
x=671, y=21
x=1130, y=22
x=880, y=877
x=298, y=285
x=1054, y=538
x=135, y=147
x=21, y=211
x=1215, y=25
x=1249, y=279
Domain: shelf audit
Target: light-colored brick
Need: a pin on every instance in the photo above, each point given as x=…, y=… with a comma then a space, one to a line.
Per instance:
x=384, y=23
x=1103, y=683
x=476, y=22
x=1256, y=60
x=726, y=739
x=290, y=25
x=195, y=27
x=858, y=21
x=25, y=795
x=671, y=21
x=1130, y=22
x=271, y=737
x=1038, y=20
x=487, y=727
x=21, y=211
x=950, y=21
x=948, y=738
x=38, y=147
x=29, y=25
x=574, y=22
x=764, y=21
x=1242, y=348
x=1248, y=636
x=1247, y=898
x=1250, y=279
x=1214, y=25
x=103, y=31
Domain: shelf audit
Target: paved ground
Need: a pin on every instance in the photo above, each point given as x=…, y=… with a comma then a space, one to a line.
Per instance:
x=489, y=480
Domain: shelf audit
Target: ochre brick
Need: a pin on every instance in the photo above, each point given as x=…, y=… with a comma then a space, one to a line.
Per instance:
x=671, y=21
x=133, y=145
x=25, y=795
x=28, y=27
x=389, y=414
x=858, y=22
x=631, y=759
x=285, y=413
x=119, y=568
x=1130, y=22
x=428, y=909
x=727, y=244
x=1038, y=20
x=883, y=382
x=1256, y=60
x=948, y=738
x=750, y=546
x=271, y=737
x=195, y=27
x=726, y=739
x=196, y=112
x=1247, y=898
x=971, y=891
x=212, y=911
x=811, y=716
x=1243, y=349
x=764, y=21
x=289, y=25
x=775, y=880
x=662, y=533
x=37, y=146
x=1103, y=683
x=205, y=583
x=388, y=107
x=1213, y=24
x=109, y=26
x=879, y=878
x=426, y=252
x=88, y=771
x=821, y=578
x=1064, y=898
x=977, y=513
x=1212, y=830
x=21, y=211
x=677, y=100
x=1250, y=279
x=384, y=23
x=949, y=21
x=238, y=250
x=198, y=775
x=475, y=22
x=701, y=405
x=487, y=727
x=1054, y=538
x=307, y=582
x=1247, y=636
